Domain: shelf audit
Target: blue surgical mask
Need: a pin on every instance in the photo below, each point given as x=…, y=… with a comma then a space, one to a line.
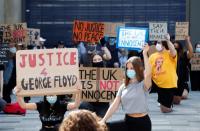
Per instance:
x=197, y=50
x=52, y=99
x=131, y=74
x=13, y=50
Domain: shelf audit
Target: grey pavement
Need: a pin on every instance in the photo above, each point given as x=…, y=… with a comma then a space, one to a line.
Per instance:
x=185, y=117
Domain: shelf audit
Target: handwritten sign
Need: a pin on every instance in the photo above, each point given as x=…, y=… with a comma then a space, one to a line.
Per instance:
x=47, y=72
x=4, y=52
x=100, y=84
x=157, y=31
x=88, y=31
x=15, y=33
x=34, y=35
x=182, y=30
x=195, y=62
x=131, y=37
x=112, y=28
x=7, y=33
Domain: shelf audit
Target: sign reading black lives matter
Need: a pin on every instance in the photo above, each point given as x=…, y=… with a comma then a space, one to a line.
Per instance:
x=47, y=72
x=100, y=84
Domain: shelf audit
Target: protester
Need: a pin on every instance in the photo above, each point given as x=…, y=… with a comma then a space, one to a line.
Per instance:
x=61, y=44
x=99, y=108
x=111, y=45
x=194, y=75
x=164, y=64
x=183, y=69
x=133, y=97
x=2, y=104
x=41, y=44
x=123, y=57
x=51, y=109
x=82, y=120
x=10, y=73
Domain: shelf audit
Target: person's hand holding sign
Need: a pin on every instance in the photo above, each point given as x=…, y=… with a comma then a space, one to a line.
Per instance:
x=145, y=48
x=167, y=37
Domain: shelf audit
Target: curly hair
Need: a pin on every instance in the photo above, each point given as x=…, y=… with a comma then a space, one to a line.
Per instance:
x=82, y=120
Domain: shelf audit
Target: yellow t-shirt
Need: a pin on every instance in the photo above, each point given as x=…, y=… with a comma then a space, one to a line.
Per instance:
x=164, y=69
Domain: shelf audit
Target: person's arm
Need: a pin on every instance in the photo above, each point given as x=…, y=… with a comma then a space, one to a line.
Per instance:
x=113, y=107
x=20, y=100
x=147, y=72
x=170, y=46
x=189, y=47
x=106, y=55
x=76, y=103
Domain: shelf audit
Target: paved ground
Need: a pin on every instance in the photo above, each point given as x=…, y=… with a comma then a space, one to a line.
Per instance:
x=185, y=117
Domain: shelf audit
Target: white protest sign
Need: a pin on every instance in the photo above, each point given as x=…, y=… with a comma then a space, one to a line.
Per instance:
x=131, y=37
x=47, y=72
x=182, y=30
x=34, y=35
x=157, y=31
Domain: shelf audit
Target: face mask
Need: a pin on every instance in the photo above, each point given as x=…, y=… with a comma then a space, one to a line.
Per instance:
x=158, y=47
x=13, y=50
x=131, y=74
x=197, y=50
x=98, y=64
x=52, y=99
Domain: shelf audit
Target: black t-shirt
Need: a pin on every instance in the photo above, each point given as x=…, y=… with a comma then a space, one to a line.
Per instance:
x=2, y=67
x=51, y=116
x=183, y=68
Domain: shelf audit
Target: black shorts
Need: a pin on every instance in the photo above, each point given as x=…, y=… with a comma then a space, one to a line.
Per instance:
x=165, y=96
x=180, y=89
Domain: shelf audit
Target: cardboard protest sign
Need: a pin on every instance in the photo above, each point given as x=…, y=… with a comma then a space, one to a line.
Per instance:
x=112, y=28
x=100, y=84
x=182, y=30
x=47, y=72
x=7, y=33
x=131, y=38
x=88, y=31
x=1, y=83
x=34, y=35
x=195, y=62
x=4, y=52
x=16, y=33
x=157, y=31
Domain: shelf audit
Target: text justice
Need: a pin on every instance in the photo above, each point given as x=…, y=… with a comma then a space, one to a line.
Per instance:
x=44, y=59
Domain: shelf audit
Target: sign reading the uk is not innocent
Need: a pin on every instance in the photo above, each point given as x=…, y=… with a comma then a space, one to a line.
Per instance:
x=47, y=72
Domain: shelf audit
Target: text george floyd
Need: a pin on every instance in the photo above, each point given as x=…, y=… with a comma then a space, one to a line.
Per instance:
x=48, y=82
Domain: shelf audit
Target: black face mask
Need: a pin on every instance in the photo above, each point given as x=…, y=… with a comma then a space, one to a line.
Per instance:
x=98, y=64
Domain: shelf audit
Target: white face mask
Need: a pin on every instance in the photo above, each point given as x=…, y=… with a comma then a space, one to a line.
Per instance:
x=197, y=50
x=159, y=47
x=13, y=50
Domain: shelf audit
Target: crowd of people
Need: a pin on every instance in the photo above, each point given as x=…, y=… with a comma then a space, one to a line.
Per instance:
x=165, y=71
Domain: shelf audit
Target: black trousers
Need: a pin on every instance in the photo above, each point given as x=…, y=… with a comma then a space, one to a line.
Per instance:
x=131, y=124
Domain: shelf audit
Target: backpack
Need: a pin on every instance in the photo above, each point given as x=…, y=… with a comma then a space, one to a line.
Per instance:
x=14, y=108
